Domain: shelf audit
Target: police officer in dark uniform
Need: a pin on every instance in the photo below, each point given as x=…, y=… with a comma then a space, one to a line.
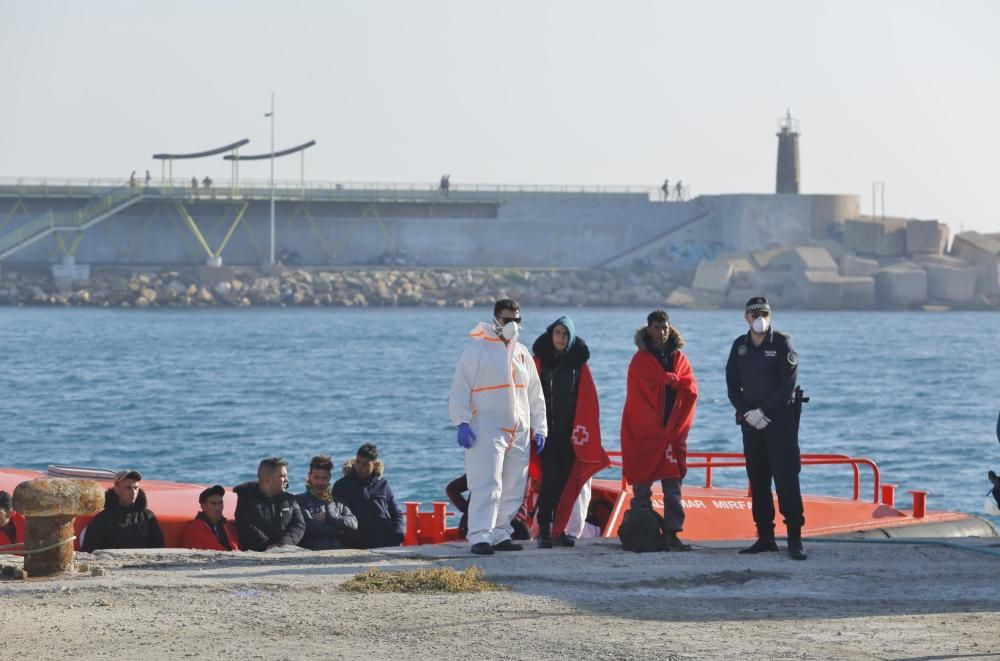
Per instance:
x=760, y=376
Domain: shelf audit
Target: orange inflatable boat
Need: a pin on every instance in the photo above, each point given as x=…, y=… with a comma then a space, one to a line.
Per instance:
x=712, y=513
x=723, y=514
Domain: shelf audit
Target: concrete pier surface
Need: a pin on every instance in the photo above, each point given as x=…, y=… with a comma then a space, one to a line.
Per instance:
x=847, y=601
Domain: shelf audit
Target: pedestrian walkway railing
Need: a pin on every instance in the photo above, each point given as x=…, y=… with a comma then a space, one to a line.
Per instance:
x=710, y=461
x=259, y=188
x=51, y=221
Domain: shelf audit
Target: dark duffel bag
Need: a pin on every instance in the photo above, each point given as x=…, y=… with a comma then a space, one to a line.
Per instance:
x=642, y=531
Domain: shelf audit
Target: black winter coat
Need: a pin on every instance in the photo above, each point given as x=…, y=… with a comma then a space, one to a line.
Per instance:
x=380, y=521
x=328, y=533
x=120, y=527
x=262, y=521
x=560, y=378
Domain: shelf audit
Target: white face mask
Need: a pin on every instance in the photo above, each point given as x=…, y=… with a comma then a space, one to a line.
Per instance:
x=510, y=330
x=760, y=324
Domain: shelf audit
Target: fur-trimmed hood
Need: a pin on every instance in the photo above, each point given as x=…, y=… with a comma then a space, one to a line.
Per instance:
x=111, y=501
x=674, y=339
x=378, y=467
x=574, y=357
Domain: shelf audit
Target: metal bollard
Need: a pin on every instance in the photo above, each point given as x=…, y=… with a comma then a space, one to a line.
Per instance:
x=50, y=505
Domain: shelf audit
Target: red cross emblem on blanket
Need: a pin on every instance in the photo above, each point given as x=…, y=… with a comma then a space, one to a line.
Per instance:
x=670, y=454
x=580, y=435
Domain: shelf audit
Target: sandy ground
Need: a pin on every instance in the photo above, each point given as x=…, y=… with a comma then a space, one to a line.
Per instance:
x=848, y=601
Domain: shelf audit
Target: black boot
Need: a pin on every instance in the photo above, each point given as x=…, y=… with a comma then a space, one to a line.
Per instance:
x=795, y=550
x=564, y=540
x=762, y=545
x=544, y=536
x=674, y=543
x=482, y=548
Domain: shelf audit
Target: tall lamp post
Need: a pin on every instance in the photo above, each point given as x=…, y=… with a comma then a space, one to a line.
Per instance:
x=271, y=115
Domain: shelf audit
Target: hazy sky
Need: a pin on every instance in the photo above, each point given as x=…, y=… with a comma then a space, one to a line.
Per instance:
x=541, y=92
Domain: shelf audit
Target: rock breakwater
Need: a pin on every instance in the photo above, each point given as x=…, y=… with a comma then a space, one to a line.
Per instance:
x=361, y=287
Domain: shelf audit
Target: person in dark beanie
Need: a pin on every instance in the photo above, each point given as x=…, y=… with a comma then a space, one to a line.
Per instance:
x=125, y=522
x=368, y=495
x=210, y=529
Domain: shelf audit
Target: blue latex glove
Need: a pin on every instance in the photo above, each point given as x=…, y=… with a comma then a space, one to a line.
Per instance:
x=539, y=442
x=465, y=435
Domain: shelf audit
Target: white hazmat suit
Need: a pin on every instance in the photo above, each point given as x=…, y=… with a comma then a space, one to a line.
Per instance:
x=497, y=391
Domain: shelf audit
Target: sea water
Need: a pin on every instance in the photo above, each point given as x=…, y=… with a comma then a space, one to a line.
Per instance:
x=202, y=395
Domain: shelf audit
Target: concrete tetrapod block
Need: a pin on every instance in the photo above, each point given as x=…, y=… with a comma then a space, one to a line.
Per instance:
x=854, y=266
x=859, y=292
x=942, y=260
x=922, y=236
x=893, y=238
x=49, y=505
x=713, y=276
x=800, y=259
x=821, y=290
x=900, y=287
x=862, y=236
x=983, y=251
x=884, y=238
x=948, y=283
x=686, y=297
x=738, y=297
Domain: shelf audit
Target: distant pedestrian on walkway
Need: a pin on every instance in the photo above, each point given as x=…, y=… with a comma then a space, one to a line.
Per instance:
x=666, y=189
x=131, y=180
x=679, y=191
x=445, y=184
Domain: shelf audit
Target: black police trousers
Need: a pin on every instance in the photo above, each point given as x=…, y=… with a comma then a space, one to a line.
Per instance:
x=773, y=453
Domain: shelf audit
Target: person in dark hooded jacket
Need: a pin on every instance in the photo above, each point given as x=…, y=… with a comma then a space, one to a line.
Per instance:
x=561, y=356
x=369, y=496
x=125, y=522
x=266, y=514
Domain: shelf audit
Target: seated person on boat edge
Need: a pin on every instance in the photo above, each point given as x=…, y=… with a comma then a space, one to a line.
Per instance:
x=370, y=498
x=520, y=523
x=327, y=519
x=266, y=514
x=211, y=530
x=11, y=524
x=125, y=522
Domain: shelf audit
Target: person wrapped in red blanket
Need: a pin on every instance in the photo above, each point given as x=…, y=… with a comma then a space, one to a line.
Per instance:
x=573, y=452
x=210, y=529
x=11, y=525
x=659, y=408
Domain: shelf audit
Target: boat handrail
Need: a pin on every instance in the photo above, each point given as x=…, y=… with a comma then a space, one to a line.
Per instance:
x=57, y=470
x=712, y=460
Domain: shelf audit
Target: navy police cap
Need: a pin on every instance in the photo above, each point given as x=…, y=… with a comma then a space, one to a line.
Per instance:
x=758, y=303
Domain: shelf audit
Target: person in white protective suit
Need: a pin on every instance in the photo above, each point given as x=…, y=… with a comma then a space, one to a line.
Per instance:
x=496, y=402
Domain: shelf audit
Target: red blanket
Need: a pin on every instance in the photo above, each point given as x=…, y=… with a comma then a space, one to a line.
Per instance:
x=18, y=520
x=197, y=535
x=590, y=457
x=650, y=450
